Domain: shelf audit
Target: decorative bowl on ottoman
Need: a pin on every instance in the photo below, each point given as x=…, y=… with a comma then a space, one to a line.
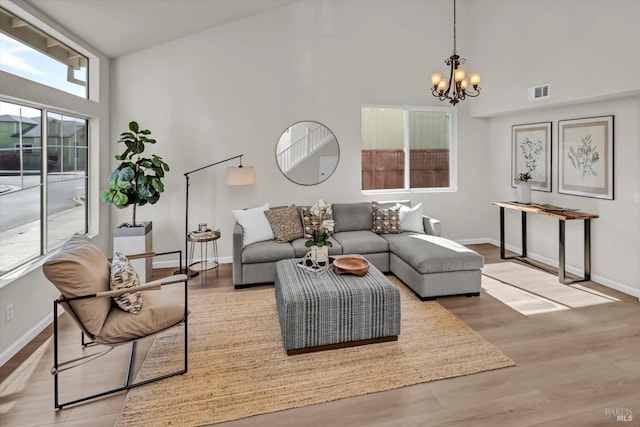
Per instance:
x=351, y=265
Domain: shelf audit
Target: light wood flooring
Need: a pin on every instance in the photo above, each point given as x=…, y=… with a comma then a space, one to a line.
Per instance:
x=575, y=367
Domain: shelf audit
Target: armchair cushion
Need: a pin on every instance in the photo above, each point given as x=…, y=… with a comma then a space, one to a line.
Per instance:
x=80, y=268
x=123, y=275
x=162, y=309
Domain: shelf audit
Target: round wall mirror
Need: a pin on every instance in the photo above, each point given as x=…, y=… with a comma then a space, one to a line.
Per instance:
x=307, y=153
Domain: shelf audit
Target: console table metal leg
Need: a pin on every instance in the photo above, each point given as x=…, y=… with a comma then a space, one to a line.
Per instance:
x=561, y=251
x=587, y=249
x=524, y=233
x=502, y=252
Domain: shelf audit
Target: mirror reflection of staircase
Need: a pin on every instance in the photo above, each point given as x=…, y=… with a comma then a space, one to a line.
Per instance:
x=316, y=136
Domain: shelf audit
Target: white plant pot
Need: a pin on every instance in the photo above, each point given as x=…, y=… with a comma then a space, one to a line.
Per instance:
x=136, y=240
x=523, y=193
x=320, y=253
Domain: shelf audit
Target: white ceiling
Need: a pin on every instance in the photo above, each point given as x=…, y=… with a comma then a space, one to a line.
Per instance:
x=119, y=27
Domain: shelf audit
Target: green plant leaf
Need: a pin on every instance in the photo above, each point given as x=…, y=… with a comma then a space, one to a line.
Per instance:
x=107, y=196
x=157, y=184
x=120, y=200
x=134, y=127
x=127, y=173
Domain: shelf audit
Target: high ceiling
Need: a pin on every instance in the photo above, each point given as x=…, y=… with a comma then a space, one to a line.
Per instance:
x=119, y=27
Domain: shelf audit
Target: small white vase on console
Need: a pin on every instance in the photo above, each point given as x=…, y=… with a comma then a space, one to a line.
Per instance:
x=523, y=193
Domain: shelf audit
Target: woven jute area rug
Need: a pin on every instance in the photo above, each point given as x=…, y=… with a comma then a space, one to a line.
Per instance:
x=238, y=366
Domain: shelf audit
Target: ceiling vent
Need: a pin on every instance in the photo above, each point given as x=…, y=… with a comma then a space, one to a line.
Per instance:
x=539, y=92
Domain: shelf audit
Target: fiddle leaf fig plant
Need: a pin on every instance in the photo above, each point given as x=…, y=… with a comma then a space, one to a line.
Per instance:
x=137, y=180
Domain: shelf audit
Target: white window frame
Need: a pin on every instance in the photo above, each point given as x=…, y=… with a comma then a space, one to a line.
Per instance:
x=16, y=89
x=453, y=152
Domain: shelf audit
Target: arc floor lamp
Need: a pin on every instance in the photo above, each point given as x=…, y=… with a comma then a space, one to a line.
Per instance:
x=239, y=175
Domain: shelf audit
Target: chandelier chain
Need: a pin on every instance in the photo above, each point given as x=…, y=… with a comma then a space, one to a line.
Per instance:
x=454, y=27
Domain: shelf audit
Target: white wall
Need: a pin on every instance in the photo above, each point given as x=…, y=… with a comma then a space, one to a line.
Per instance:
x=232, y=90
x=576, y=47
x=583, y=48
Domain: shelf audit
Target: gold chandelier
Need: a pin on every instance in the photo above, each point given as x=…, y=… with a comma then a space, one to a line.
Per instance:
x=455, y=89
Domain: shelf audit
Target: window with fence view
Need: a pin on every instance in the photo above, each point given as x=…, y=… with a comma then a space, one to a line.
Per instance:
x=404, y=148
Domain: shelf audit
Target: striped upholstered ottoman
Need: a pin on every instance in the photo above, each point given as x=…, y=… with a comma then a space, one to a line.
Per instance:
x=320, y=311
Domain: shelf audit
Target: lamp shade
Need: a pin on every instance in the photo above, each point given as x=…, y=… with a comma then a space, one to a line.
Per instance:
x=243, y=175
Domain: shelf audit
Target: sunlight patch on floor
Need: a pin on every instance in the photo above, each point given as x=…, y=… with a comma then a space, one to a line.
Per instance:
x=539, y=284
x=519, y=300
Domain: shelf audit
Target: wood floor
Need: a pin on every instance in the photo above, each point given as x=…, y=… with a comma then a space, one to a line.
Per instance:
x=575, y=367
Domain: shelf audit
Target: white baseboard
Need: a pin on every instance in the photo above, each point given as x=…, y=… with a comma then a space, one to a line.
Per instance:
x=15, y=347
x=571, y=269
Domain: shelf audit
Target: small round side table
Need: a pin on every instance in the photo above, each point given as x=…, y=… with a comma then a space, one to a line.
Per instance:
x=204, y=265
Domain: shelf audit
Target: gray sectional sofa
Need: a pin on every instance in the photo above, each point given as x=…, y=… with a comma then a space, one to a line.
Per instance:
x=430, y=265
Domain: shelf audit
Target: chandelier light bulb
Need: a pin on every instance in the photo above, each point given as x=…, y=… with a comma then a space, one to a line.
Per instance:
x=435, y=79
x=475, y=79
x=459, y=74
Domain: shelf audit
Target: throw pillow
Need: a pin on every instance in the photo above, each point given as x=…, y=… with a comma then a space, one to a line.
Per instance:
x=285, y=223
x=386, y=221
x=309, y=221
x=123, y=276
x=411, y=218
x=255, y=226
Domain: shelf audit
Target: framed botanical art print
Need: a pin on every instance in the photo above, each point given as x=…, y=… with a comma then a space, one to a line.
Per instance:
x=585, y=153
x=531, y=152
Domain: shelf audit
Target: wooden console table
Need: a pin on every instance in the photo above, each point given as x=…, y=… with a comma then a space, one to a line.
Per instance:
x=562, y=217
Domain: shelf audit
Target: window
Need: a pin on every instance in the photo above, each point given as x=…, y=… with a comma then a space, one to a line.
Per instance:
x=389, y=133
x=27, y=52
x=42, y=197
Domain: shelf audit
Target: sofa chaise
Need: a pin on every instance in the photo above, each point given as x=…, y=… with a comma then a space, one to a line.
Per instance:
x=430, y=265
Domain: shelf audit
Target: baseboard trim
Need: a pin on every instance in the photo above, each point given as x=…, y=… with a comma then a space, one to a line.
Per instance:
x=18, y=345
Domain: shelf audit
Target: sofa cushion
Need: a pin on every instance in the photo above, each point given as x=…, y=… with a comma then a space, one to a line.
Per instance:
x=361, y=242
x=433, y=254
x=80, y=268
x=352, y=216
x=255, y=226
x=285, y=223
x=386, y=221
x=300, y=250
x=267, y=251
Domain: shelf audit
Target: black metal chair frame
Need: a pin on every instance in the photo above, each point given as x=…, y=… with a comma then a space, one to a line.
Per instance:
x=127, y=380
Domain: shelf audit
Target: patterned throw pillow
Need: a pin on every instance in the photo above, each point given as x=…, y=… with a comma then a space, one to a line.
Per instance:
x=285, y=223
x=309, y=222
x=386, y=221
x=123, y=275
